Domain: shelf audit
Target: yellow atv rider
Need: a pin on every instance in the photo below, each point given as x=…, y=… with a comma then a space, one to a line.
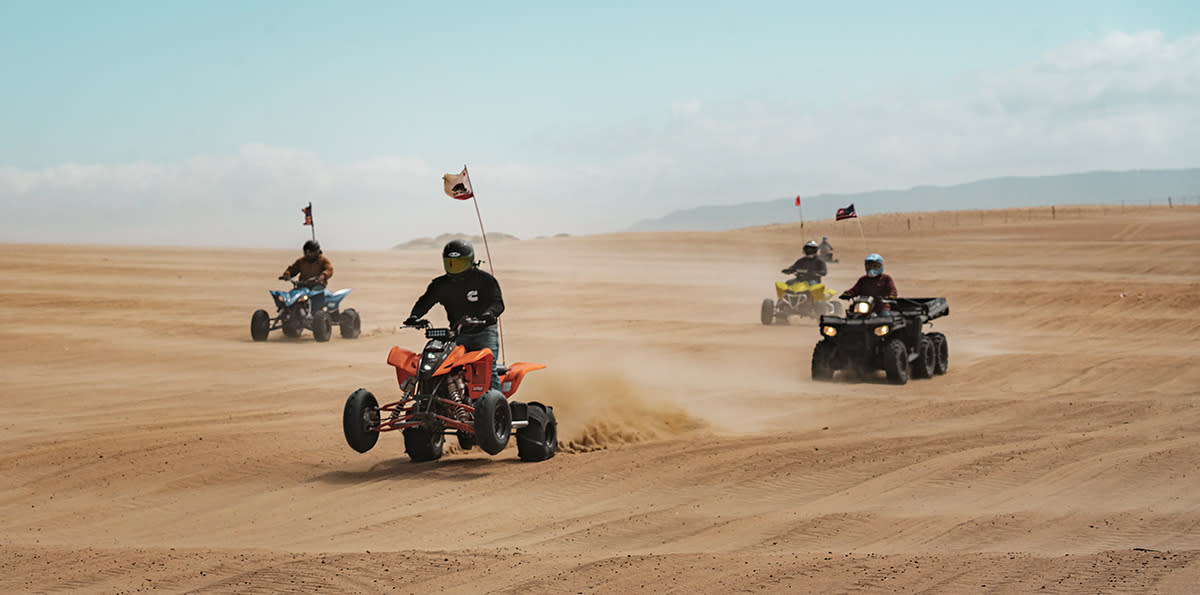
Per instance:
x=803, y=295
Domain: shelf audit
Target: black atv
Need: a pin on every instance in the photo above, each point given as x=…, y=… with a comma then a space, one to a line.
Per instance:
x=866, y=340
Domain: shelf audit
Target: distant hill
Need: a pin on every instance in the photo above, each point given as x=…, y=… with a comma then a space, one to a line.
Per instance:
x=1101, y=187
x=440, y=241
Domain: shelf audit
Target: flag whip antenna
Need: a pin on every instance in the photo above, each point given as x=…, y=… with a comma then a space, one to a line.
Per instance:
x=312, y=222
x=487, y=250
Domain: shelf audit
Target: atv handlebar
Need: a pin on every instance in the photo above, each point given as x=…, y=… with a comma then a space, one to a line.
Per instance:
x=466, y=325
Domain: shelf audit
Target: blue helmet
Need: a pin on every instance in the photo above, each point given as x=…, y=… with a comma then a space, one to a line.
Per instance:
x=874, y=265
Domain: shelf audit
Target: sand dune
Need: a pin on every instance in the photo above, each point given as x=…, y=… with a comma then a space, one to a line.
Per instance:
x=146, y=443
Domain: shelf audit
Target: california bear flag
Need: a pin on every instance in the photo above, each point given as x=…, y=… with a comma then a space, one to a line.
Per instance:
x=458, y=185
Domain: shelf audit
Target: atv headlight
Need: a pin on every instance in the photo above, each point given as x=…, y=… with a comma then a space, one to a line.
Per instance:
x=828, y=331
x=881, y=330
x=303, y=298
x=862, y=308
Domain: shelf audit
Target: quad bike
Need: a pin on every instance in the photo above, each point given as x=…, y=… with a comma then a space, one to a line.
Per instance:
x=866, y=340
x=294, y=313
x=446, y=389
x=799, y=297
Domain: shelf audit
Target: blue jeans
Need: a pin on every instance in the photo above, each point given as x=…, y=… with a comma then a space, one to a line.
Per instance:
x=488, y=337
x=316, y=298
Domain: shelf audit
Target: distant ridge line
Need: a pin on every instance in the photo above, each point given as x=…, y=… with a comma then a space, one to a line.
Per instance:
x=1094, y=187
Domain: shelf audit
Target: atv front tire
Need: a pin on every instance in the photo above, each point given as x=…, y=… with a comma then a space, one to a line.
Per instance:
x=538, y=441
x=423, y=445
x=493, y=422
x=822, y=361
x=359, y=420
x=895, y=361
x=768, y=312
x=260, y=325
x=322, y=327
x=349, y=324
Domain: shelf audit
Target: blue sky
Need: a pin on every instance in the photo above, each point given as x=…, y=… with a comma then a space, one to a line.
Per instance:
x=167, y=121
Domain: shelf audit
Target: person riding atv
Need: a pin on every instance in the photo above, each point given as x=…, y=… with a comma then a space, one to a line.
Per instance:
x=804, y=294
x=825, y=250
x=314, y=271
x=874, y=283
x=471, y=297
x=808, y=267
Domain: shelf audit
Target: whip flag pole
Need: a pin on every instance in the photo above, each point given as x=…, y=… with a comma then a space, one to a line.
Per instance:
x=800, y=209
x=308, y=220
x=848, y=212
x=458, y=186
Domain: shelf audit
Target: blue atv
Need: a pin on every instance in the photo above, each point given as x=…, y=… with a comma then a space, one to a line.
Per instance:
x=295, y=312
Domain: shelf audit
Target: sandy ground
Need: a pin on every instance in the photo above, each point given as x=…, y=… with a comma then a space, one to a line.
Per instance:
x=147, y=444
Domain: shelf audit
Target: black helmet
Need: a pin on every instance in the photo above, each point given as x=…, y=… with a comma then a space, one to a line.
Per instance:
x=810, y=247
x=458, y=256
x=312, y=246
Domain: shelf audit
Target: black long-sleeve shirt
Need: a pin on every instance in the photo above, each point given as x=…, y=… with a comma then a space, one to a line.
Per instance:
x=472, y=293
x=808, y=267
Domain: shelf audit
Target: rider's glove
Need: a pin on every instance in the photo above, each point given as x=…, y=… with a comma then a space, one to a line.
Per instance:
x=284, y=277
x=321, y=279
x=786, y=271
x=488, y=319
x=411, y=320
x=845, y=295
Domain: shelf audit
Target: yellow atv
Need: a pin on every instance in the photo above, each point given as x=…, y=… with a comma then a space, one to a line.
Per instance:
x=800, y=297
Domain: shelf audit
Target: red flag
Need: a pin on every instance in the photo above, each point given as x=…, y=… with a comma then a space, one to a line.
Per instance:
x=307, y=214
x=797, y=201
x=458, y=185
x=845, y=213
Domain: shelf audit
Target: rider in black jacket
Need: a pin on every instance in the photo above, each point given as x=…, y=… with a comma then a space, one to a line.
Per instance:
x=471, y=297
x=808, y=267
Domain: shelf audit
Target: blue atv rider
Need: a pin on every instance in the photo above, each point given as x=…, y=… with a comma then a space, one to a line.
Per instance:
x=313, y=270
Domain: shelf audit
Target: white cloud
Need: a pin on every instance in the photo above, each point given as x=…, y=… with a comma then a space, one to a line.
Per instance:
x=690, y=107
x=1124, y=101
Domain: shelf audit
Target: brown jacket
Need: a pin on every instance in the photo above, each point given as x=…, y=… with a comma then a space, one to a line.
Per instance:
x=310, y=270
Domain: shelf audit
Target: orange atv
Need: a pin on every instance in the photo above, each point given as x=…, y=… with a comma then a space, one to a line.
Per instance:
x=446, y=389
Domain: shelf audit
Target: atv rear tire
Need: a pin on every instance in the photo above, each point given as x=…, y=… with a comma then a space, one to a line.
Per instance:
x=538, y=441
x=941, y=348
x=768, y=312
x=926, y=360
x=493, y=422
x=822, y=361
x=895, y=361
x=322, y=327
x=423, y=445
x=466, y=440
x=359, y=420
x=350, y=324
x=260, y=325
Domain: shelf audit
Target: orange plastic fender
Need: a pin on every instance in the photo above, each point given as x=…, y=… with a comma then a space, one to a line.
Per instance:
x=405, y=363
x=477, y=368
x=511, y=380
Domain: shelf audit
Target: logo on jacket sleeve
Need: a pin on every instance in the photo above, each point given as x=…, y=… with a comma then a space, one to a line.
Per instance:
x=473, y=295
